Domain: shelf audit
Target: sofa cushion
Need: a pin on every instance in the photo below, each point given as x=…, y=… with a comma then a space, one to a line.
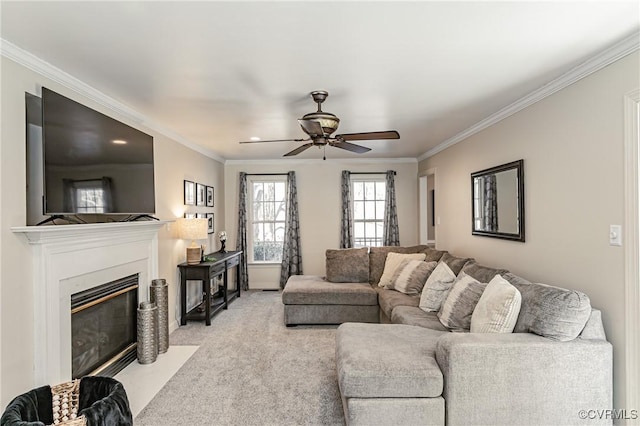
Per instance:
x=347, y=265
x=390, y=299
x=481, y=273
x=378, y=256
x=315, y=290
x=393, y=262
x=410, y=315
x=437, y=288
x=498, y=308
x=458, y=307
x=515, y=279
x=402, y=365
x=411, y=276
x=455, y=263
x=433, y=255
x=552, y=312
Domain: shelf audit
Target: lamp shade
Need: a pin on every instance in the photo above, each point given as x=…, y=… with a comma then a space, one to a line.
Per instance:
x=193, y=229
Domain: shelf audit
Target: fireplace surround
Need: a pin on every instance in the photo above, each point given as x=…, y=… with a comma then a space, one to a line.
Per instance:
x=69, y=259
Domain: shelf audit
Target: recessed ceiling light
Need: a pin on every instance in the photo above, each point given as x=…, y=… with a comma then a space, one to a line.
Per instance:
x=254, y=138
x=119, y=142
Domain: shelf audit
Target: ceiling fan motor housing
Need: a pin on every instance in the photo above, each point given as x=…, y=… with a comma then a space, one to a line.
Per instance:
x=328, y=121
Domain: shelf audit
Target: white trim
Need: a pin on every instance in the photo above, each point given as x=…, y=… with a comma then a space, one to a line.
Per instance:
x=250, y=181
x=32, y=62
x=632, y=250
x=280, y=162
x=617, y=51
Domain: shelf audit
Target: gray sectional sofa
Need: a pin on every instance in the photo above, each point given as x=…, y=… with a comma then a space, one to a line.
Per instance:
x=399, y=365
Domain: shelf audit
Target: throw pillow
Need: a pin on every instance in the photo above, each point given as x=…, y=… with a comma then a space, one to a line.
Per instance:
x=393, y=262
x=498, y=308
x=348, y=265
x=410, y=277
x=552, y=312
x=458, y=307
x=437, y=288
x=378, y=255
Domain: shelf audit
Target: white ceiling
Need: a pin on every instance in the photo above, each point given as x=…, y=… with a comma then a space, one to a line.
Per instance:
x=220, y=72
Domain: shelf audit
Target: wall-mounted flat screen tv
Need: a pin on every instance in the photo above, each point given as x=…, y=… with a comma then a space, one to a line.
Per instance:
x=93, y=164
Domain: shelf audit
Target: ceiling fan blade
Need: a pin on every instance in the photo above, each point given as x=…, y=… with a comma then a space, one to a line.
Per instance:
x=351, y=147
x=276, y=140
x=298, y=150
x=311, y=127
x=369, y=136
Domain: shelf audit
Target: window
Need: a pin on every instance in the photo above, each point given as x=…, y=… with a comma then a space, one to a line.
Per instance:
x=368, y=212
x=267, y=219
x=90, y=196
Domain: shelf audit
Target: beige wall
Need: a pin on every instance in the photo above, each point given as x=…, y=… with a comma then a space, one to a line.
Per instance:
x=572, y=146
x=319, y=207
x=173, y=164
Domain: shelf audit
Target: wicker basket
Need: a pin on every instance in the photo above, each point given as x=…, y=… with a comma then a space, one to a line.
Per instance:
x=65, y=401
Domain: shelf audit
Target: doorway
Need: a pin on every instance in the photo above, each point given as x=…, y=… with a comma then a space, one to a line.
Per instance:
x=427, y=207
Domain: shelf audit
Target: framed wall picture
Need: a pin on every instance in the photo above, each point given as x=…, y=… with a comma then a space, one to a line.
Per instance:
x=210, y=219
x=200, y=194
x=189, y=215
x=189, y=193
x=209, y=196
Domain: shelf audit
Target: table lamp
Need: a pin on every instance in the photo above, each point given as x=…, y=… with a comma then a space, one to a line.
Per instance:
x=193, y=229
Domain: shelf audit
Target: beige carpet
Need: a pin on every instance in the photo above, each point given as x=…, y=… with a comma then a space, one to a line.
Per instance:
x=251, y=370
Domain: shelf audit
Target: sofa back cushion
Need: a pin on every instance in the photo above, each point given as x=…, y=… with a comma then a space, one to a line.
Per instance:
x=411, y=276
x=455, y=263
x=378, y=257
x=484, y=274
x=347, y=265
x=552, y=312
x=458, y=307
x=433, y=255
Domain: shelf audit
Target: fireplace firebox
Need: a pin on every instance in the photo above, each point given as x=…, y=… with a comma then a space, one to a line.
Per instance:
x=103, y=327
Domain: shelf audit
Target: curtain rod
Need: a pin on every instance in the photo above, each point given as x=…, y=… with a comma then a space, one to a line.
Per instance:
x=267, y=174
x=370, y=173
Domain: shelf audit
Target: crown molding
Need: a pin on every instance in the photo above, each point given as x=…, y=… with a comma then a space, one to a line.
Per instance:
x=617, y=51
x=32, y=62
x=281, y=162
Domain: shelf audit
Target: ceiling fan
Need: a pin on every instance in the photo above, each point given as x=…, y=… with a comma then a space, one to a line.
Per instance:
x=319, y=125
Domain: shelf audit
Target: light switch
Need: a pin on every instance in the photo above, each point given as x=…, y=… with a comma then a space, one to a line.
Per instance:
x=615, y=235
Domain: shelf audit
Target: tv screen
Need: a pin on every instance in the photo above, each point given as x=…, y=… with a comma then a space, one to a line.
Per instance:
x=93, y=164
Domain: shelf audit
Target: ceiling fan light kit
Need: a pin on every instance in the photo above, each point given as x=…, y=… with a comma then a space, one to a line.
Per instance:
x=320, y=125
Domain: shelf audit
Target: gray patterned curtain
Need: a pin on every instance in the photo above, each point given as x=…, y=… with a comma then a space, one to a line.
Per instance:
x=391, y=232
x=291, y=255
x=490, y=204
x=346, y=225
x=241, y=242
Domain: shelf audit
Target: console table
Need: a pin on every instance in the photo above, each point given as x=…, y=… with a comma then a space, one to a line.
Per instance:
x=205, y=271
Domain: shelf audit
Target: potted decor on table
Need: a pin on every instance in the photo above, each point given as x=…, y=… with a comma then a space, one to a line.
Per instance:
x=223, y=241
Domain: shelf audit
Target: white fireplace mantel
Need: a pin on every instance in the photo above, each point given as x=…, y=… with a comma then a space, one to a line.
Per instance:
x=72, y=258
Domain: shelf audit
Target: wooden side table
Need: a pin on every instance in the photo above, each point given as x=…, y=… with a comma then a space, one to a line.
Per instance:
x=205, y=271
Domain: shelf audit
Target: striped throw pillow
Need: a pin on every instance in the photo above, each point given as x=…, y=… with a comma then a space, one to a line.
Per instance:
x=411, y=275
x=458, y=307
x=498, y=308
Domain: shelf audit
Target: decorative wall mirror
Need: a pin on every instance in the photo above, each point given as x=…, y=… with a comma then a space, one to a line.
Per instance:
x=497, y=200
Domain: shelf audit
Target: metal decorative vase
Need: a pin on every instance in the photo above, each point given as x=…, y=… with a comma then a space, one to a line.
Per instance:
x=160, y=296
x=147, y=332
